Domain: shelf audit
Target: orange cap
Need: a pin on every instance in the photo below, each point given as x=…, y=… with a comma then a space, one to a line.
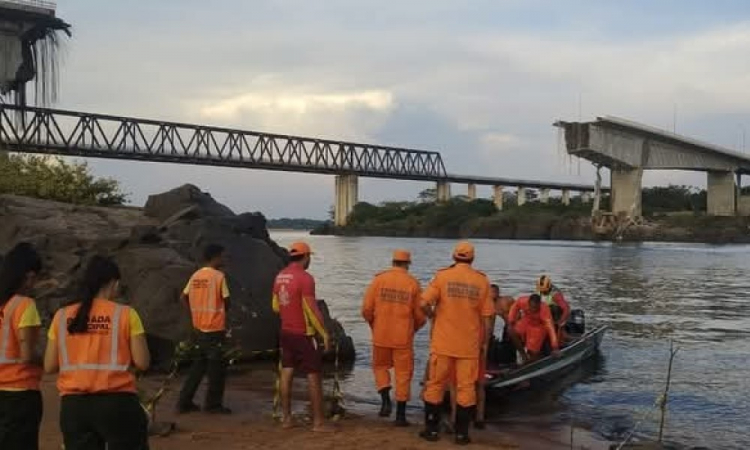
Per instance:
x=299, y=248
x=401, y=256
x=464, y=251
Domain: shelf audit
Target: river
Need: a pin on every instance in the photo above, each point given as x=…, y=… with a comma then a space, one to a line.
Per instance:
x=696, y=295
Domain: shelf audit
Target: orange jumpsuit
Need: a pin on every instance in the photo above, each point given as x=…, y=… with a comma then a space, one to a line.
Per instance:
x=391, y=307
x=535, y=328
x=462, y=299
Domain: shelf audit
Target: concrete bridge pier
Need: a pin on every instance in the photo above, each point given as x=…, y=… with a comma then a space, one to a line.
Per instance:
x=722, y=194
x=521, y=196
x=626, y=191
x=544, y=197
x=565, y=197
x=497, y=197
x=347, y=195
x=472, y=192
x=443, y=191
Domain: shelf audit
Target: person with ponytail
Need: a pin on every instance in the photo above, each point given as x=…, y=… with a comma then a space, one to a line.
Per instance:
x=20, y=368
x=94, y=343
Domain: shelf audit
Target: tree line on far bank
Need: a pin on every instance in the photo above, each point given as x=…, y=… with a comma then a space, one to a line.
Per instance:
x=54, y=178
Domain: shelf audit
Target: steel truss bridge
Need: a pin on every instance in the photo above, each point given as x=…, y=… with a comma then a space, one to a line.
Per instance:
x=51, y=131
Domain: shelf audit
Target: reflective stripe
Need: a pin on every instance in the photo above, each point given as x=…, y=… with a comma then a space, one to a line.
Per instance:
x=65, y=365
x=8, y=311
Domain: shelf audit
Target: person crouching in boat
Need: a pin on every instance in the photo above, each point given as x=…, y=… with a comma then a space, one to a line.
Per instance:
x=559, y=307
x=531, y=324
x=392, y=309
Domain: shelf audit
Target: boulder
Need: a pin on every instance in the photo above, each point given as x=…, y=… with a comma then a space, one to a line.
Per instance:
x=157, y=249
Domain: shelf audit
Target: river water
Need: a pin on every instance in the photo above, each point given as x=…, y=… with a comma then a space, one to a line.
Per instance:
x=696, y=295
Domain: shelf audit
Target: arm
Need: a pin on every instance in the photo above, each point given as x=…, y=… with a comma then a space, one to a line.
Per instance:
x=420, y=318
x=312, y=312
x=546, y=317
x=559, y=299
x=513, y=314
x=27, y=340
x=368, y=304
x=51, y=361
x=185, y=294
x=225, y=293
x=430, y=297
x=138, y=345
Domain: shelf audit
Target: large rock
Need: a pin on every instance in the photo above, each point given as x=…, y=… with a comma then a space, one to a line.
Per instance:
x=157, y=249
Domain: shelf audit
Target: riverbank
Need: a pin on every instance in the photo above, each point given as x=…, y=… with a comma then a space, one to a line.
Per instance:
x=250, y=395
x=535, y=222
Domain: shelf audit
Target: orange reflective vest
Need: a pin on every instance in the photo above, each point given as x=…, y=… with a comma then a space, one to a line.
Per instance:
x=14, y=373
x=96, y=361
x=206, y=300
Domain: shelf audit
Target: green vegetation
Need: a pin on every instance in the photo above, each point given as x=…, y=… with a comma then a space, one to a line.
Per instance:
x=52, y=178
x=294, y=224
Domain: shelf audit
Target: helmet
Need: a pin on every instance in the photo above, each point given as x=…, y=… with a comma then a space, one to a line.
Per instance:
x=544, y=284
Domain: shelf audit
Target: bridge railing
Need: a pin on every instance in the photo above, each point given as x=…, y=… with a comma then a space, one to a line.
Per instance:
x=50, y=5
x=41, y=130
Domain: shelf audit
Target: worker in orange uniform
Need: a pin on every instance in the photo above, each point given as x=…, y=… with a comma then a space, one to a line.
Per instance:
x=392, y=309
x=301, y=320
x=207, y=296
x=93, y=343
x=531, y=322
x=554, y=298
x=459, y=300
x=20, y=368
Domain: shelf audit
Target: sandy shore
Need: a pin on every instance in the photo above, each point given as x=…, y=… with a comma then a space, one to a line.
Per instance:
x=250, y=395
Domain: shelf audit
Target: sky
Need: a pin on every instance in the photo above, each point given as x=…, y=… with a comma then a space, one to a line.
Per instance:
x=481, y=81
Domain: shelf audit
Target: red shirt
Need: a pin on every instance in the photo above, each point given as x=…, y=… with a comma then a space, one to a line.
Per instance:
x=294, y=301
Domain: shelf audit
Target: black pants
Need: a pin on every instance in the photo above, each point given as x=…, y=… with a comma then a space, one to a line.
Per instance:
x=103, y=421
x=20, y=416
x=209, y=358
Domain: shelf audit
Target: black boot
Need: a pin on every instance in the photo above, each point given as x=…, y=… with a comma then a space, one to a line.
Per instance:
x=385, y=402
x=401, y=415
x=463, y=417
x=431, y=422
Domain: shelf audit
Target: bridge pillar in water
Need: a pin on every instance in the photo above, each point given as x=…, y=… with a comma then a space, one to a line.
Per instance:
x=497, y=197
x=347, y=195
x=521, y=196
x=626, y=191
x=544, y=198
x=722, y=194
x=471, y=192
x=565, y=197
x=443, y=191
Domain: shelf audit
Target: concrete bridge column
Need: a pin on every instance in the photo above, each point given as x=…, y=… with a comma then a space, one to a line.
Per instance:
x=626, y=191
x=544, y=198
x=443, y=191
x=498, y=197
x=347, y=195
x=722, y=193
x=472, y=192
x=521, y=196
x=566, y=197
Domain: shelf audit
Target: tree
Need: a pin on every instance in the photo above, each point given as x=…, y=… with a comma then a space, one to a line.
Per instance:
x=53, y=178
x=428, y=196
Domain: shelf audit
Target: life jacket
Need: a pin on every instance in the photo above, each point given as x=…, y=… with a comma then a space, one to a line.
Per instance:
x=206, y=304
x=14, y=373
x=98, y=360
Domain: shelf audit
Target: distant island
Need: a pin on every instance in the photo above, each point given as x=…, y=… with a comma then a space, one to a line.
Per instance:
x=294, y=224
x=670, y=214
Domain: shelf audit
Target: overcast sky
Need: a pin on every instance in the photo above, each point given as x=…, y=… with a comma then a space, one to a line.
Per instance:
x=479, y=80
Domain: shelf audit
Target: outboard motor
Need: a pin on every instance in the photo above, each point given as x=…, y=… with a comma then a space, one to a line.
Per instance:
x=576, y=322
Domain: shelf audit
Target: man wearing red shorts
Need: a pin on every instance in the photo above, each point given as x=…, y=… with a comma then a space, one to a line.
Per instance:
x=531, y=323
x=301, y=320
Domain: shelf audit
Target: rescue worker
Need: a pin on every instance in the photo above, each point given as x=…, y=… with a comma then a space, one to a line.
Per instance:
x=207, y=296
x=93, y=343
x=531, y=322
x=554, y=298
x=392, y=309
x=20, y=367
x=301, y=320
x=459, y=299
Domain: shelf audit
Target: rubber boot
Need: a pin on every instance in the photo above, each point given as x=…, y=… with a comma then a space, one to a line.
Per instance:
x=463, y=418
x=431, y=423
x=385, y=402
x=401, y=415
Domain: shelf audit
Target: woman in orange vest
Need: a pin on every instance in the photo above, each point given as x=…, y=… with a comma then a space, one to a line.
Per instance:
x=93, y=343
x=20, y=369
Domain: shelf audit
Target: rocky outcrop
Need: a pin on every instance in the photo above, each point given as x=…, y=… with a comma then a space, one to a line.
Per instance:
x=157, y=248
